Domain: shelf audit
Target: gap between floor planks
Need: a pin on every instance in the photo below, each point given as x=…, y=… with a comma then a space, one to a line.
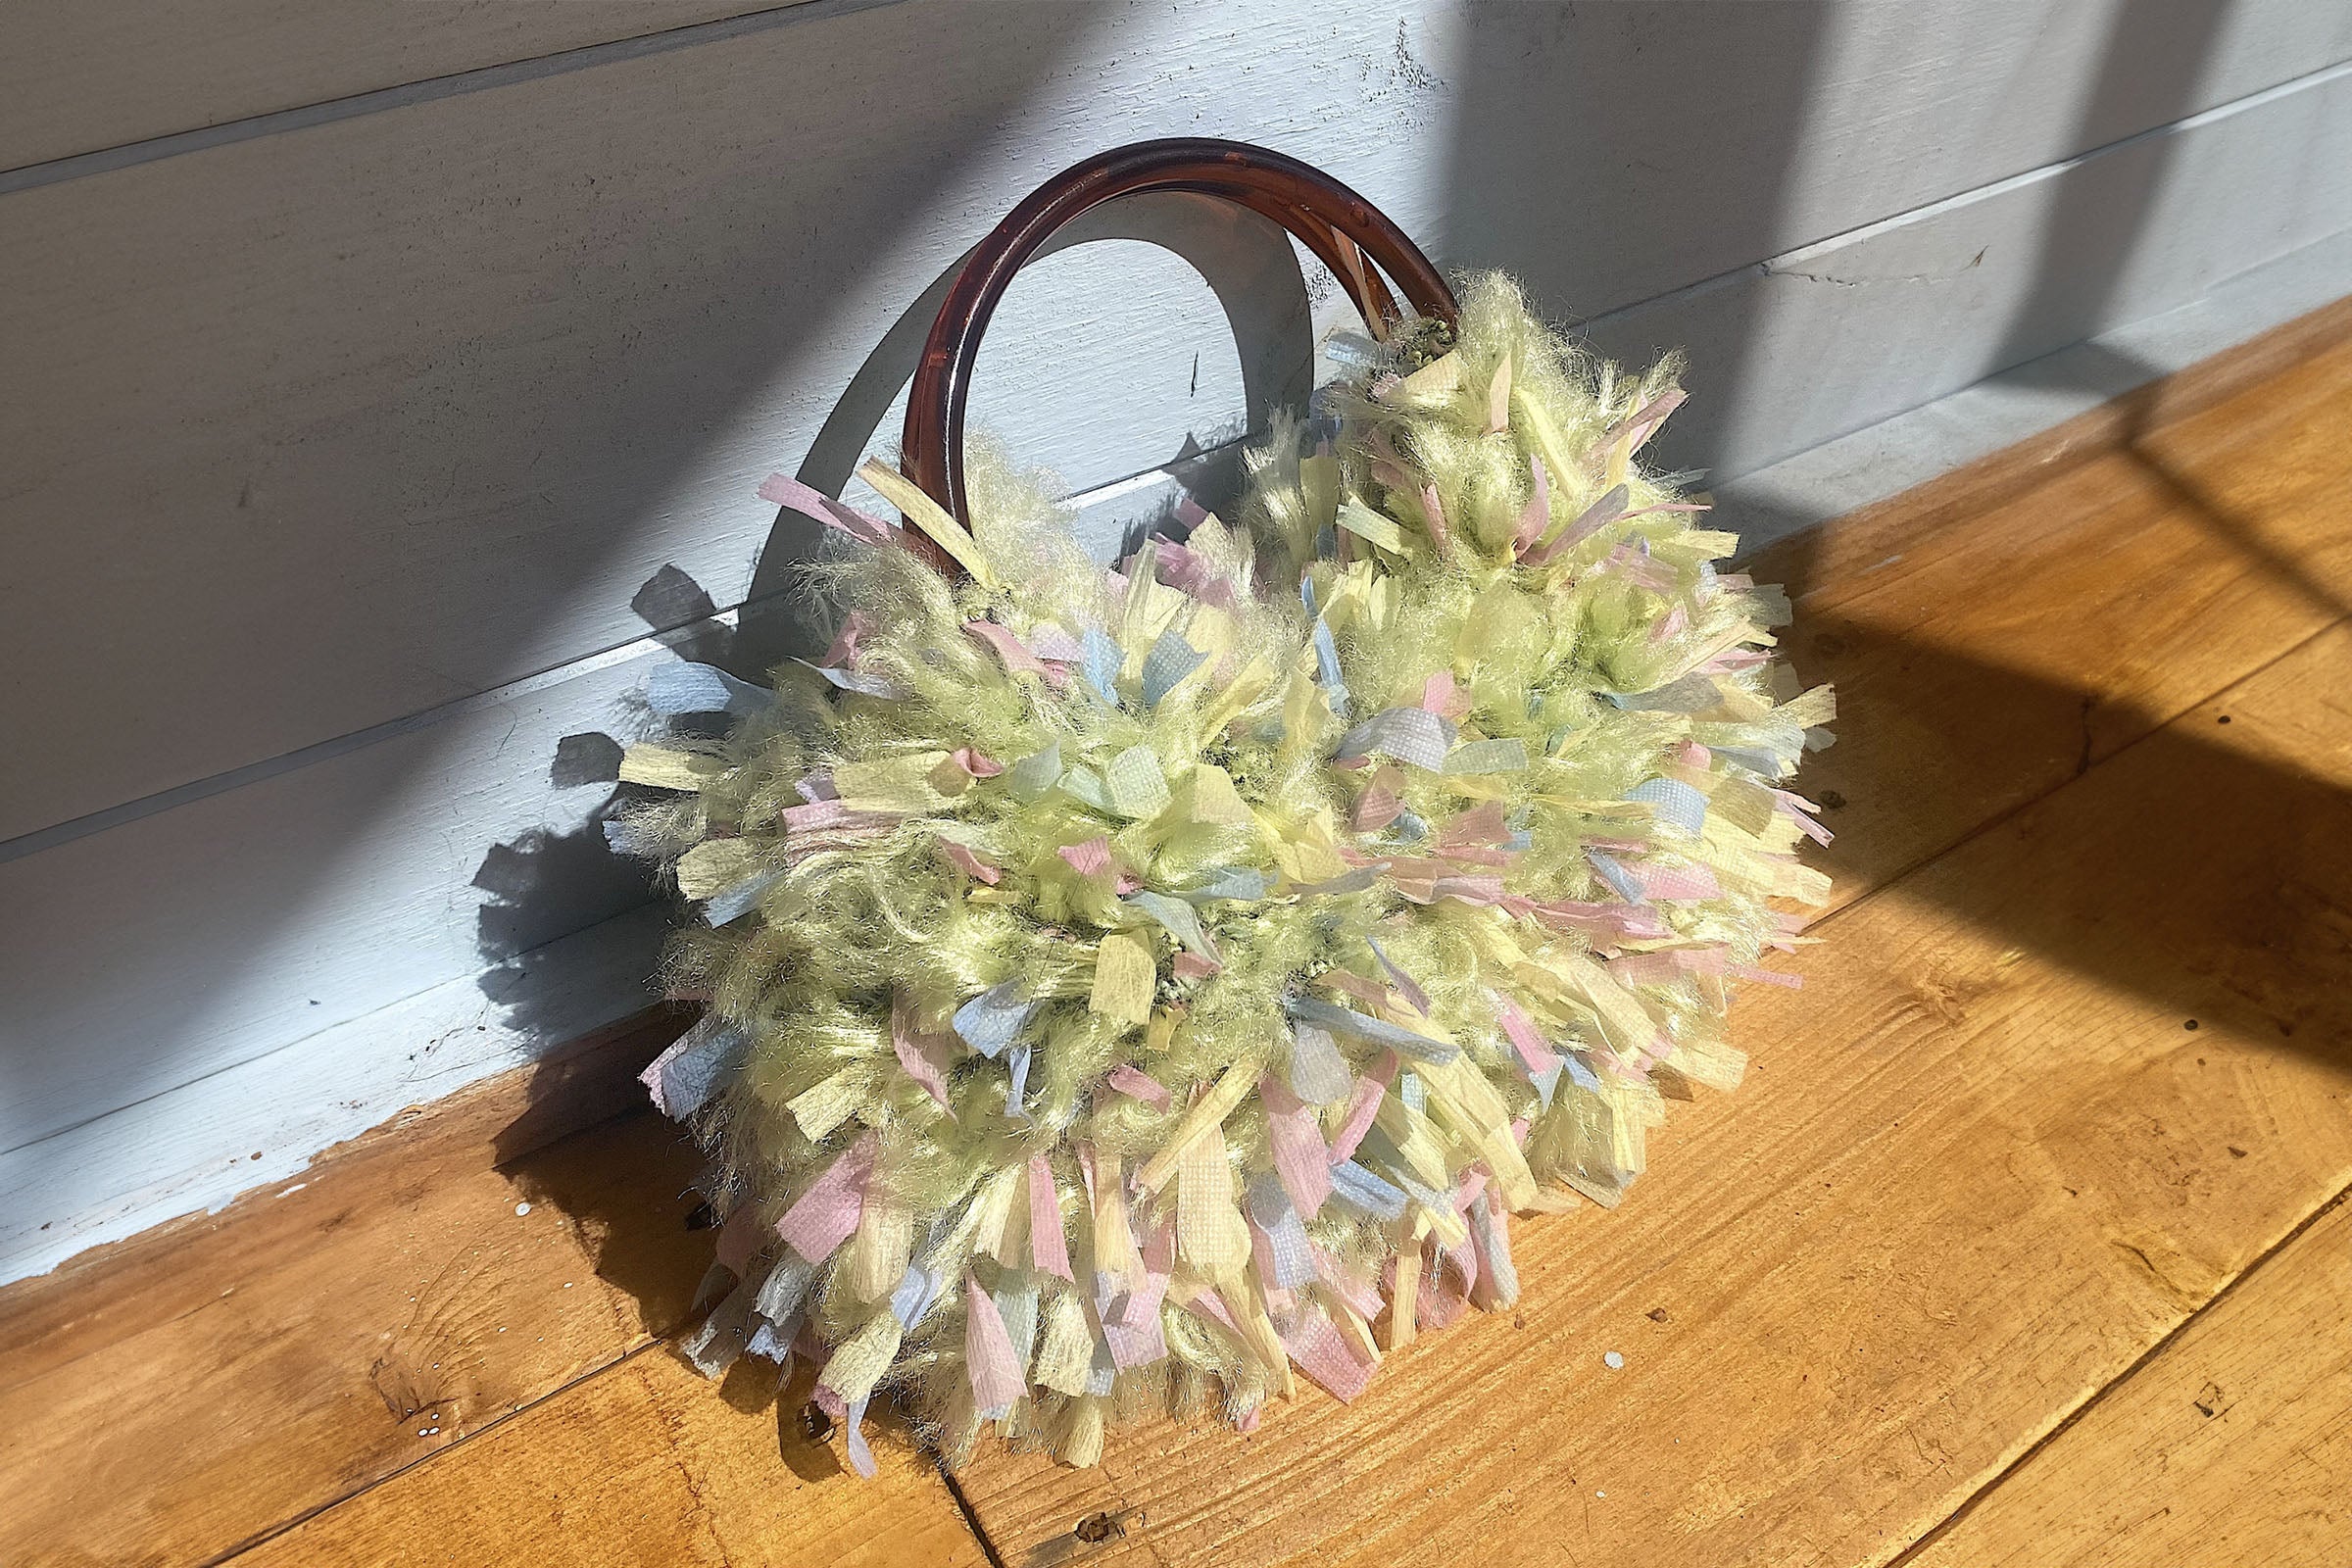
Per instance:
x=1829, y=570
x=2278, y=1333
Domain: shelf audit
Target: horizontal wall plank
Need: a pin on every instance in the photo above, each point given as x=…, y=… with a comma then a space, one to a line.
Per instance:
x=1935, y=439
x=197, y=1145
x=185, y=942
x=430, y=394
x=1610, y=153
x=75, y=79
x=1816, y=343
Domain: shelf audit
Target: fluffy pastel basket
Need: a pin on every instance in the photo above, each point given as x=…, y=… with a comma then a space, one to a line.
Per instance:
x=1128, y=987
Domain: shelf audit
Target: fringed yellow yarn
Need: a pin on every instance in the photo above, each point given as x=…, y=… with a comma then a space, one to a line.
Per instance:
x=1131, y=989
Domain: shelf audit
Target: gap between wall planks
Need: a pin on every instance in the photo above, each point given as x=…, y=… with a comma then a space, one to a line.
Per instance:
x=81, y=82
x=287, y=1370
x=2253, y=1399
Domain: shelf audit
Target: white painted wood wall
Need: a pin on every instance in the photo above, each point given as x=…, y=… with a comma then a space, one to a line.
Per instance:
x=379, y=382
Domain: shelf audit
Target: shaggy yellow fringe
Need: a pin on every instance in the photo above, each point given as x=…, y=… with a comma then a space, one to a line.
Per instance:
x=1129, y=989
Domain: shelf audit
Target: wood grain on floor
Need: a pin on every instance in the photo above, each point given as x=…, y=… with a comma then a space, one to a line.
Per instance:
x=2230, y=1444
x=2095, y=780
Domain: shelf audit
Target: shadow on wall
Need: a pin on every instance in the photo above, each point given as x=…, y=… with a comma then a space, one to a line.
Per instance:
x=1671, y=133
x=2156, y=50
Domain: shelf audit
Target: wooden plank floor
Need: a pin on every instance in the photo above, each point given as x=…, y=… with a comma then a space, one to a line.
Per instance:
x=2023, y=1242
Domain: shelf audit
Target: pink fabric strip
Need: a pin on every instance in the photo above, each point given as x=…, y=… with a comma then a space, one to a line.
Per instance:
x=1055, y=645
x=1793, y=807
x=1048, y=1248
x=1191, y=572
x=1674, y=884
x=786, y=491
x=997, y=1379
x=1594, y=518
x=1536, y=519
x=1134, y=1337
x=1646, y=419
x=1524, y=1036
x=739, y=1239
x=974, y=763
x=1433, y=512
x=1325, y=1357
x=1700, y=961
x=1625, y=919
x=1017, y=657
x=923, y=1056
x=843, y=647
x=813, y=815
x=1192, y=967
x=1476, y=890
x=1210, y=1305
x=1136, y=1083
x=970, y=864
x=1376, y=807
x=1090, y=858
x=827, y=1212
x=1736, y=659
x=1301, y=1157
x=1361, y=1294
x=1362, y=1106
x=1484, y=825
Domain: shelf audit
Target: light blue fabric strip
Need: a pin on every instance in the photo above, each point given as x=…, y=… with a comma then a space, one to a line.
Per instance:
x=1018, y=1089
x=989, y=1021
x=1674, y=801
x=1177, y=917
x=1171, y=659
x=1245, y=883
x=1351, y=1183
x=1347, y=1021
x=683, y=688
x=1319, y=1074
x=1616, y=876
x=1101, y=667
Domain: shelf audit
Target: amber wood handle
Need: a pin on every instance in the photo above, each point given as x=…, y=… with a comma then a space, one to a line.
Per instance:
x=1344, y=232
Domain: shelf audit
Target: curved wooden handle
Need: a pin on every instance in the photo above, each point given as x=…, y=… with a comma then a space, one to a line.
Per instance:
x=1343, y=231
